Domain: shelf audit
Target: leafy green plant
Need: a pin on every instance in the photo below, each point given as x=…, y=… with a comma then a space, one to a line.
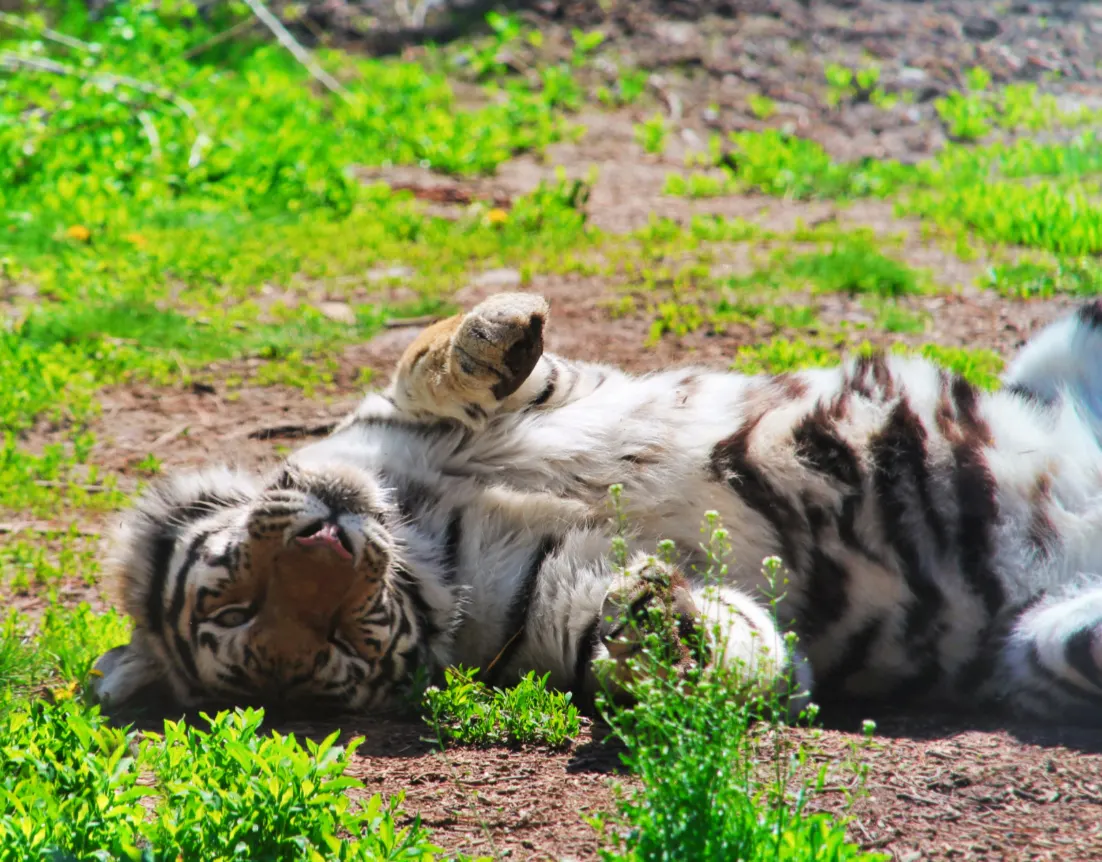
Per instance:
x=468, y=712
x=966, y=116
x=232, y=790
x=651, y=134
x=781, y=164
x=761, y=106
x=718, y=775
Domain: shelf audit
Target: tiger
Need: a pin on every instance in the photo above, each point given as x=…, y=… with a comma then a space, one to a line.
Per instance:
x=940, y=543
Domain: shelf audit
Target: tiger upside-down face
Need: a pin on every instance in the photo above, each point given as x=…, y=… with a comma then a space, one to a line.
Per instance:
x=277, y=593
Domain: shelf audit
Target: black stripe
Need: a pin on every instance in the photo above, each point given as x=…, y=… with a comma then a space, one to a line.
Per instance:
x=826, y=598
x=1023, y=391
x=516, y=618
x=1062, y=685
x=819, y=447
x=979, y=511
x=183, y=648
x=583, y=657
x=163, y=548
x=731, y=462
x=409, y=586
x=453, y=539
x=548, y=387
x=413, y=497
x=182, y=645
x=1090, y=314
x=386, y=662
x=1077, y=653
x=854, y=658
x=898, y=454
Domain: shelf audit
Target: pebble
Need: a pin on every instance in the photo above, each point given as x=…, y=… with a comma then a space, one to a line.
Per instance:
x=341, y=312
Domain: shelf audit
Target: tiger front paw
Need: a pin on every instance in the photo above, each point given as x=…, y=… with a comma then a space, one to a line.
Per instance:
x=464, y=367
x=499, y=342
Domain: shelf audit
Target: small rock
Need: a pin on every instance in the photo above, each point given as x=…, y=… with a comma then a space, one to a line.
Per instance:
x=675, y=32
x=341, y=312
x=981, y=28
x=498, y=279
x=390, y=273
x=908, y=76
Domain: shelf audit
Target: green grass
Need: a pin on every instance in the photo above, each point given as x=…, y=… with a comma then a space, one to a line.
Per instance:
x=854, y=267
x=466, y=711
x=1028, y=279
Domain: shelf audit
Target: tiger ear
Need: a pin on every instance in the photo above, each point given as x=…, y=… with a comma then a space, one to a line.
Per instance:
x=132, y=678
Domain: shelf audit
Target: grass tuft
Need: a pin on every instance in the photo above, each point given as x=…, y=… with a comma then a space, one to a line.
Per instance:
x=468, y=712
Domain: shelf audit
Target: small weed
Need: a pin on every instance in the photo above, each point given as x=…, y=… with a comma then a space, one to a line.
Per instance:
x=855, y=266
x=466, y=711
x=761, y=106
x=1044, y=279
x=892, y=317
x=652, y=134
x=781, y=354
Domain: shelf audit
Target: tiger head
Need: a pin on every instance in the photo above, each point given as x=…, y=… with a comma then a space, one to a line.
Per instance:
x=283, y=592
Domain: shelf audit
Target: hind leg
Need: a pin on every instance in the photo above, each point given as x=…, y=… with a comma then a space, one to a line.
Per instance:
x=1051, y=662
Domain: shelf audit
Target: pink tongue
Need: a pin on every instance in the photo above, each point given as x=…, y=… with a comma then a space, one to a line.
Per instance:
x=328, y=537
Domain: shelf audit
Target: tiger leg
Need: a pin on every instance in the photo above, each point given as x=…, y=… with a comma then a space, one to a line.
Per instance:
x=487, y=361
x=712, y=624
x=1051, y=662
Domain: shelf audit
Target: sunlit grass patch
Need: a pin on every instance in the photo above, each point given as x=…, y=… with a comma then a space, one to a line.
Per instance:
x=44, y=560
x=854, y=267
x=780, y=355
x=468, y=712
x=1044, y=215
x=1043, y=279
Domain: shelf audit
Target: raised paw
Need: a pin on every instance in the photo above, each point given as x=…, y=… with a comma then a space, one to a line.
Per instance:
x=501, y=340
x=465, y=367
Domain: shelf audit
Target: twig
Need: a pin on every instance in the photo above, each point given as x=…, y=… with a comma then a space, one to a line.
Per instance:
x=672, y=100
x=46, y=33
x=151, y=133
x=102, y=79
x=218, y=38
x=401, y=322
x=170, y=434
x=297, y=51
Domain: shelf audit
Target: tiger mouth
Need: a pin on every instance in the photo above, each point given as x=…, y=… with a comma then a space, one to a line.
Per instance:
x=328, y=535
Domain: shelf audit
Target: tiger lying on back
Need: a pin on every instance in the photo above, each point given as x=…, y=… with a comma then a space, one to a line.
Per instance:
x=943, y=544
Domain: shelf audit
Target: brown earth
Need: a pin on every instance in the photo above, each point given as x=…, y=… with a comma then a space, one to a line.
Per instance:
x=938, y=788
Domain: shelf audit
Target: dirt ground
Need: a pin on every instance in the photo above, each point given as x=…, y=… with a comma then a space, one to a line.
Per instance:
x=938, y=788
